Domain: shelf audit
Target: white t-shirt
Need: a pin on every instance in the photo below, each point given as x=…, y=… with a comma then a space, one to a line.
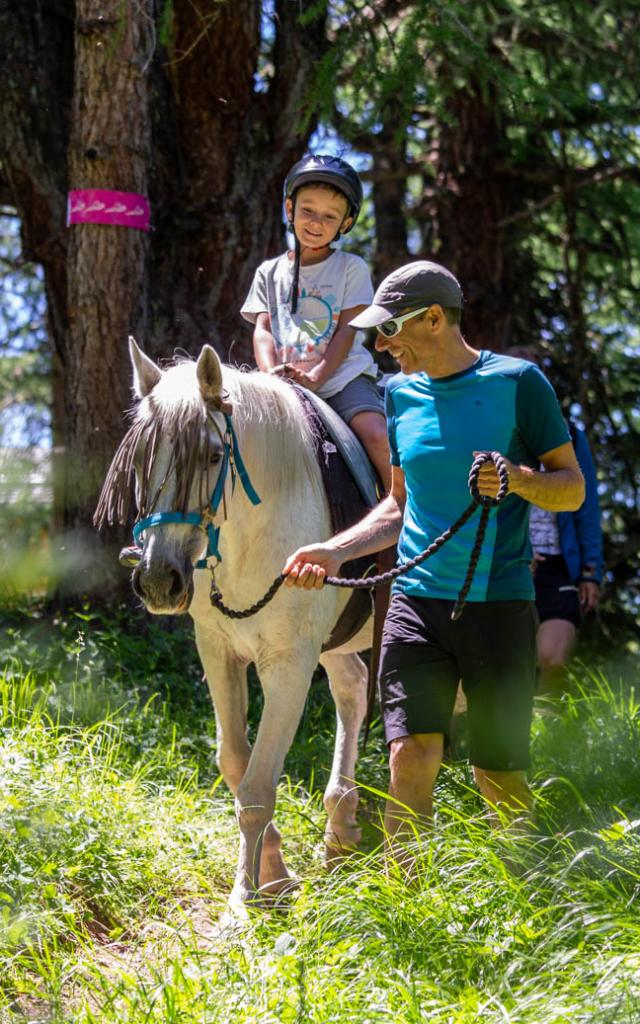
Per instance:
x=543, y=531
x=340, y=282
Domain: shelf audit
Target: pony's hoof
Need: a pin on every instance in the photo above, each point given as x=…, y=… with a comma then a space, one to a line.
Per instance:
x=279, y=894
x=237, y=910
x=280, y=886
x=337, y=852
x=230, y=926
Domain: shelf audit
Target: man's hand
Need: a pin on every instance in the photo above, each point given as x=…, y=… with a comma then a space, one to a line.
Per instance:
x=488, y=479
x=308, y=566
x=535, y=561
x=560, y=488
x=589, y=595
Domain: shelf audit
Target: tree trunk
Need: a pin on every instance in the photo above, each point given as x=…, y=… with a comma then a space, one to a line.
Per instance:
x=389, y=197
x=467, y=217
x=109, y=149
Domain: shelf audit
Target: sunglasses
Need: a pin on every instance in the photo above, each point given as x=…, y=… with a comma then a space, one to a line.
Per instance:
x=390, y=328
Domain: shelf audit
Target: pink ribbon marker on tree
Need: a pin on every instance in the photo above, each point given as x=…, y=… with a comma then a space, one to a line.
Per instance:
x=104, y=206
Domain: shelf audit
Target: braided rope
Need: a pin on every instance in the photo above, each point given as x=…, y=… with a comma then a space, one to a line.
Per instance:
x=485, y=502
x=232, y=613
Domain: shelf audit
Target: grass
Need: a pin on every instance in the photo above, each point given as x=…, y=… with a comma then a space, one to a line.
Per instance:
x=117, y=849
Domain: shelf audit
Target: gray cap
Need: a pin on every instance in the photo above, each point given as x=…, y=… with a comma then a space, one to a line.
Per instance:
x=410, y=287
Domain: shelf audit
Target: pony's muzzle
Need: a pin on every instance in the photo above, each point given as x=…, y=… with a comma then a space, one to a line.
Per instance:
x=164, y=589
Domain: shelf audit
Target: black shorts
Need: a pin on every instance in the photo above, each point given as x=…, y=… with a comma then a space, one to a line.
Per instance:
x=491, y=649
x=556, y=596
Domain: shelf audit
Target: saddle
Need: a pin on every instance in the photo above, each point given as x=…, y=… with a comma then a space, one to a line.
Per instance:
x=352, y=490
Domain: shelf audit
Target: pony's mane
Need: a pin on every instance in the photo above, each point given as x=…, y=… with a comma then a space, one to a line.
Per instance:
x=275, y=440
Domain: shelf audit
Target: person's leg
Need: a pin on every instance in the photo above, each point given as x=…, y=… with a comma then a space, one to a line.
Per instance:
x=507, y=792
x=559, y=612
x=497, y=655
x=555, y=644
x=371, y=429
x=417, y=683
x=414, y=762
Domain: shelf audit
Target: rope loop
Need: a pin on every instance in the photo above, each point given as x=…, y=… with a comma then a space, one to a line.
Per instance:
x=503, y=475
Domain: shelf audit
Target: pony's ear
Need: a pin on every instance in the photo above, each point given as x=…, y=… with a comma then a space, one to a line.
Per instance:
x=145, y=372
x=209, y=373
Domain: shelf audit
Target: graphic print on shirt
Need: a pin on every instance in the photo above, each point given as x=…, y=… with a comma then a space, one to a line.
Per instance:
x=305, y=335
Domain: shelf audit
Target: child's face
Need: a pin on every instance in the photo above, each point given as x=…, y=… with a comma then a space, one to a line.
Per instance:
x=319, y=215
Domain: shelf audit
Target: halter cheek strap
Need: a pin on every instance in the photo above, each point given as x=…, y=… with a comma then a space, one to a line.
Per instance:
x=231, y=460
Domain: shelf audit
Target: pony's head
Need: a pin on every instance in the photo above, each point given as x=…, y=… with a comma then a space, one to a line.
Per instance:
x=176, y=454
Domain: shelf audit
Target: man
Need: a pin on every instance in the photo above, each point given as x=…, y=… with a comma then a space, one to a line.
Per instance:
x=449, y=401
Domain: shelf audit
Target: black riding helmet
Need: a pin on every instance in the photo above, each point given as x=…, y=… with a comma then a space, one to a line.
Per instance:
x=328, y=170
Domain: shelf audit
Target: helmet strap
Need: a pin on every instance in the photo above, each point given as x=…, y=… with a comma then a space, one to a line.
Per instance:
x=296, y=277
x=293, y=297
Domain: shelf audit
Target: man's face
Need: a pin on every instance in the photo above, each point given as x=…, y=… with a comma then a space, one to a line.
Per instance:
x=318, y=216
x=408, y=347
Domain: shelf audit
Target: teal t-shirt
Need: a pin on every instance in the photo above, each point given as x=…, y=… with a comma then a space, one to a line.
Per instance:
x=498, y=404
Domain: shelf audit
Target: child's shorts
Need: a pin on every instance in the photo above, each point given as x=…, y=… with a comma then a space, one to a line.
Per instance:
x=359, y=395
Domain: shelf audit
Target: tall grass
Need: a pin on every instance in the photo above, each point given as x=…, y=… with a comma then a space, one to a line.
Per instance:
x=117, y=849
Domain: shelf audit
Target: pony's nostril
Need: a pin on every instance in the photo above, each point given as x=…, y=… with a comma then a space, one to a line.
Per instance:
x=177, y=585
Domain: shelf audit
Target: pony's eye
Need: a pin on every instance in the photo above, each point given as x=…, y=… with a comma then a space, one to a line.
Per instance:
x=214, y=458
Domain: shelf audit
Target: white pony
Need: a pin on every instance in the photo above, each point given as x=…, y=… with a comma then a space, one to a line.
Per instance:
x=176, y=450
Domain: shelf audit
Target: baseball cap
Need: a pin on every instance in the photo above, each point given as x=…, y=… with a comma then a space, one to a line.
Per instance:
x=413, y=285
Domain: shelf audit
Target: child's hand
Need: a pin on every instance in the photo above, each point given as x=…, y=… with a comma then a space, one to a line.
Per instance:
x=304, y=379
x=298, y=376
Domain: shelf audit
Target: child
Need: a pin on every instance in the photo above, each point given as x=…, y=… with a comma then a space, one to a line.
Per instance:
x=302, y=301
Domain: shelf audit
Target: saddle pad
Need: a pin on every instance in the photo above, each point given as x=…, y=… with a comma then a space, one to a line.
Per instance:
x=349, y=447
x=347, y=504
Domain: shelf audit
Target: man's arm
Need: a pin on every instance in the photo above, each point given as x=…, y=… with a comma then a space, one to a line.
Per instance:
x=380, y=528
x=559, y=489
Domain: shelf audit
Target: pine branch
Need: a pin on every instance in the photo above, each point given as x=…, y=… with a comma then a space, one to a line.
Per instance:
x=582, y=179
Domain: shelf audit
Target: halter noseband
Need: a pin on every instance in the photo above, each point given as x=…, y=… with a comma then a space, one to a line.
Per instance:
x=231, y=460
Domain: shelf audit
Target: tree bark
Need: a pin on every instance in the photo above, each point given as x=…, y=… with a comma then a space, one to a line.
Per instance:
x=389, y=197
x=467, y=217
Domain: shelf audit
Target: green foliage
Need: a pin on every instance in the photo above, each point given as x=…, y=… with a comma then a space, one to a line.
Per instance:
x=117, y=850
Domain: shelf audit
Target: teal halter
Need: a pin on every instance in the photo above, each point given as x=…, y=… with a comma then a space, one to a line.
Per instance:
x=231, y=460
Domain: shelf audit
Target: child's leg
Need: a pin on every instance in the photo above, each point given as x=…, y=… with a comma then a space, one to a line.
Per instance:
x=371, y=429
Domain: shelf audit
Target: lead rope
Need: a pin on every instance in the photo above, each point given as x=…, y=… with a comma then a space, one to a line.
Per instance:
x=486, y=503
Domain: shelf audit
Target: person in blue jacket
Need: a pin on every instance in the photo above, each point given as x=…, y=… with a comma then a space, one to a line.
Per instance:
x=567, y=563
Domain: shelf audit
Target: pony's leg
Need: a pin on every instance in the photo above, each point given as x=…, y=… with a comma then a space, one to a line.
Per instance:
x=348, y=682
x=285, y=686
x=227, y=682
